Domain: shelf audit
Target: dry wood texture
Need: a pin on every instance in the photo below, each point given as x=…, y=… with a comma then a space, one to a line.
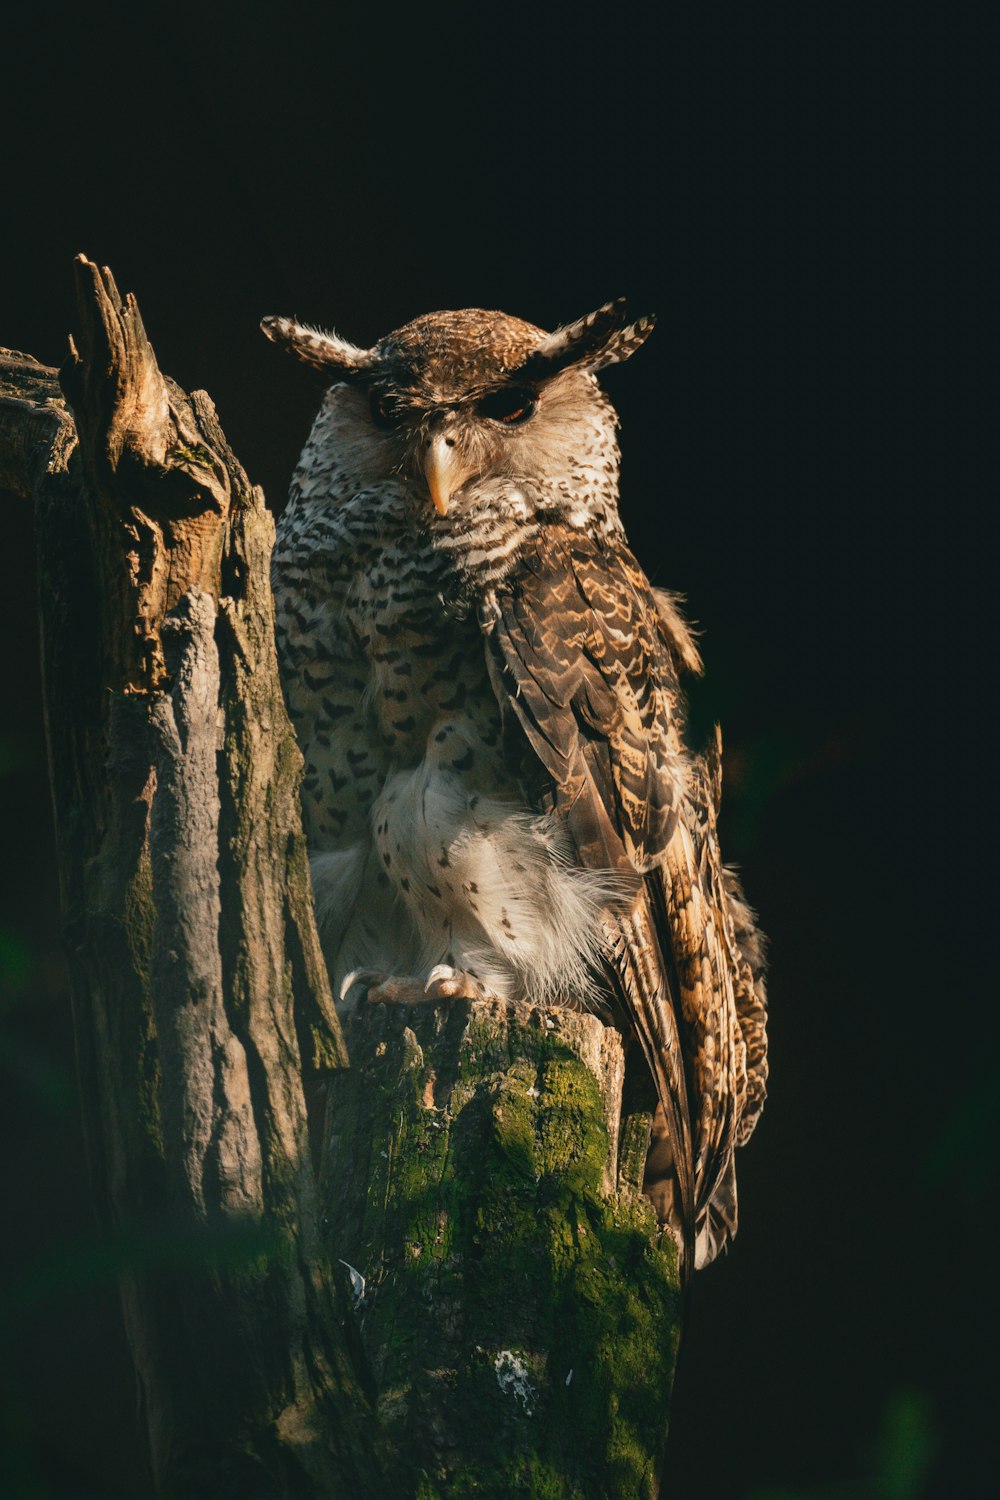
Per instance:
x=519, y=1321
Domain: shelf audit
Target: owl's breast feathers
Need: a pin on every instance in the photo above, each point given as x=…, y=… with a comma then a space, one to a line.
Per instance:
x=584, y=657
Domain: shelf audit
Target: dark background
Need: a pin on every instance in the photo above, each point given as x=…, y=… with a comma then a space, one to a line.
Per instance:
x=802, y=192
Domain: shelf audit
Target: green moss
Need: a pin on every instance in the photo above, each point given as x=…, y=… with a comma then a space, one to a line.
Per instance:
x=633, y=1148
x=198, y=456
x=485, y=1236
x=426, y=1490
x=526, y=1476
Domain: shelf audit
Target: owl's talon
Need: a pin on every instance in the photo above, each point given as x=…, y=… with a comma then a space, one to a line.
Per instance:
x=366, y=979
x=446, y=983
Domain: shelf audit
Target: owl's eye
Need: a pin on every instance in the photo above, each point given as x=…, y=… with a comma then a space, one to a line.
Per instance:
x=508, y=406
x=387, y=410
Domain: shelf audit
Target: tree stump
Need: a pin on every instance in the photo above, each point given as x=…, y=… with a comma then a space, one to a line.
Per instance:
x=452, y=1285
x=512, y=1308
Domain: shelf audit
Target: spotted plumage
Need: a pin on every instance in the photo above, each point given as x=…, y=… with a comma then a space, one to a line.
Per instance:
x=498, y=795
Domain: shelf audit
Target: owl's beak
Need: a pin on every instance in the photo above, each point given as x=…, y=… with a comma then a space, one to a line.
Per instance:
x=442, y=471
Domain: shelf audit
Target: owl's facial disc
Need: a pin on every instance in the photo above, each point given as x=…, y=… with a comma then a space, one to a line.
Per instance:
x=454, y=447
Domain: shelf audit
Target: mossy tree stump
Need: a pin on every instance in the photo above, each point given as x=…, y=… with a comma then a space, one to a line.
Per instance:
x=519, y=1319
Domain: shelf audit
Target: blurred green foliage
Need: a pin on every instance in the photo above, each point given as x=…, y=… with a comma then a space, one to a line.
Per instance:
x=15, y=751
x=897, y=1467
x=962, y=1154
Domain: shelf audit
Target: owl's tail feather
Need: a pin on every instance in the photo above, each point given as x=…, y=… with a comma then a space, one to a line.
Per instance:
x=640, y=973
x=716, y=1224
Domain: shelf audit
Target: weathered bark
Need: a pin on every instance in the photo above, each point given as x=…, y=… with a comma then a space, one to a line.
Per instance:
x=200, y=999
x=470, y=1167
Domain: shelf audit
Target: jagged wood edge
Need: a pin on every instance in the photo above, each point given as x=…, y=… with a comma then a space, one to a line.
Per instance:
x=194, y=1108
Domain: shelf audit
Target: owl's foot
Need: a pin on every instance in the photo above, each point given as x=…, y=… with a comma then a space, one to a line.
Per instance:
x=443, y=983
x=446, y=983
x=396, y=992
x=383, y=989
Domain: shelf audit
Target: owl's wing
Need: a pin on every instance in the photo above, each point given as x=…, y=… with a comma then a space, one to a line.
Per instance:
x=585, y=659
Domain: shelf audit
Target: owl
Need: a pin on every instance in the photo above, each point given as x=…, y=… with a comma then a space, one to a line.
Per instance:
x=498, y=796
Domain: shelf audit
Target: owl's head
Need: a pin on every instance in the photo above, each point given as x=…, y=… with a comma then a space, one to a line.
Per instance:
x=473, y=406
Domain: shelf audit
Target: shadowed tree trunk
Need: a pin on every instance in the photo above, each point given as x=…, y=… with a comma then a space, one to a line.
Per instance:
x=446, y=1280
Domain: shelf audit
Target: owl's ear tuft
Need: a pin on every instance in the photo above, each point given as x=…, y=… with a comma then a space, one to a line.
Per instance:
x=327, y=352
x=605, y=337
